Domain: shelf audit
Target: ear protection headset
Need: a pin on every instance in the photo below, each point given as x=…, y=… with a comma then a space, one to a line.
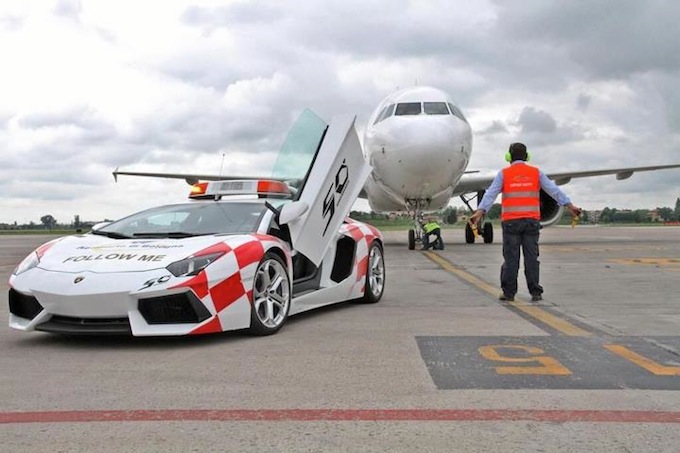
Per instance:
x=519, y=147
x=508, y=157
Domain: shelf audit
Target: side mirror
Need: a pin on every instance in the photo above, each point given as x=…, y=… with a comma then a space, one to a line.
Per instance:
x=292, y=211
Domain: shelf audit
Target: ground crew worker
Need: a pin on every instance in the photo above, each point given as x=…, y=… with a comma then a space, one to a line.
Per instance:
x=520, y=215
x=432, y=227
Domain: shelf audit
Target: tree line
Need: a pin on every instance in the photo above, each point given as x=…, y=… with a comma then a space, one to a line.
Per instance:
x=48, y=222
x=451, y=215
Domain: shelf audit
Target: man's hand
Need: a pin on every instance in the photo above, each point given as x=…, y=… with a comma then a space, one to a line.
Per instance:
x=474, y=218
x=575, y=211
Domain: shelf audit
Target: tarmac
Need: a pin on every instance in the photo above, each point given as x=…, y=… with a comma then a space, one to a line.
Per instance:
x=439, y=364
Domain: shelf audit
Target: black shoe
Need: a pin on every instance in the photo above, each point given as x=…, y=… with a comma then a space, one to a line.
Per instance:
x=536, y=297
x=506, y=297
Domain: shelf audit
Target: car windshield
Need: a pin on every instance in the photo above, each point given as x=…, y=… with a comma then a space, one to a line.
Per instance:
x=188, y=219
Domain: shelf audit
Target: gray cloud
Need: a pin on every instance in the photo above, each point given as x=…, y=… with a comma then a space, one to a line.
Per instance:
x=84, y=117
x=585, y=85
x=497, y=127
x=583, y=101
x=404, y=29
x=669, y=95
x=68, y=9
x=536, y=121
x=11, y=22
x=308, y=41
x=237, y=14
x=607, y=38
x=536, y=127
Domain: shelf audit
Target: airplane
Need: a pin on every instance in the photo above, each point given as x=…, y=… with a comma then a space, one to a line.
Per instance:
x=418, y=143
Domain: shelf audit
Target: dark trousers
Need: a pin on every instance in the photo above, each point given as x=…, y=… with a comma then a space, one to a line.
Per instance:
x=438, y=237
x=520, y=233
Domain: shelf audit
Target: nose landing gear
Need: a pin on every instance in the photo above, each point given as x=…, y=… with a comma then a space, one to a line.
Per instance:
x=487, y=233
x=412, y=239
x=415, y=234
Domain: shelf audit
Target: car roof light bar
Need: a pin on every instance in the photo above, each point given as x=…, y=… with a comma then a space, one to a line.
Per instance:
x=262, y=188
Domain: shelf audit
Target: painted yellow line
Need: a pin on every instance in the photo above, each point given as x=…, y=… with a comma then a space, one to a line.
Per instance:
x=649, y=261
x=553, y=321
x=559, y=324
x=643, y=362
x=468, y=277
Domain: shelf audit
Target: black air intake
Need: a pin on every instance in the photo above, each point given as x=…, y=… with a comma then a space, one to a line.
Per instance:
x=86, y=326
x=184, y=308
x=23, y=305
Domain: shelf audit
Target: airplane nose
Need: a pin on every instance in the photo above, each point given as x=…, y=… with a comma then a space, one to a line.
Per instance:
x=427, y=147
x=421, y=155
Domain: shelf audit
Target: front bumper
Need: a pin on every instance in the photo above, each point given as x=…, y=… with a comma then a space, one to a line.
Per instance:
x=81, y=304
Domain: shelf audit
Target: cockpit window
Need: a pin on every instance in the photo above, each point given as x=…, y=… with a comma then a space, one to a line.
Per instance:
x=408, y=108
x=435, y=108
x=457, y=112
x=386, y=113
x=380, y=117
x=389, y=112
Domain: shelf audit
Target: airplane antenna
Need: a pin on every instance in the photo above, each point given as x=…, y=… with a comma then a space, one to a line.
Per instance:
x=222, y=164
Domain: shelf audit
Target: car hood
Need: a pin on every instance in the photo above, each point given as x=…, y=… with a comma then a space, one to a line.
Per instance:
x=101, y=254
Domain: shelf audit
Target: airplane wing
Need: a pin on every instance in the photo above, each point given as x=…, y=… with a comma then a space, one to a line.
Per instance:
x=621, y=173
x=293, y=160
x=190, y=178
x=474, y=182
x=193, y=178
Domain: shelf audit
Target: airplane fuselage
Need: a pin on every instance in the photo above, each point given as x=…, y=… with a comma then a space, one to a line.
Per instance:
x=419, y=145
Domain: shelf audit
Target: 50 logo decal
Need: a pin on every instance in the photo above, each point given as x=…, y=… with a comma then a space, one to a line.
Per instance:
x=336, y=191
x=155, y=281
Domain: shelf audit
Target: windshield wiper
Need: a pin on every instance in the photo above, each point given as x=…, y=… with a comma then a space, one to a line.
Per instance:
x=169, y=234
x=110, y=234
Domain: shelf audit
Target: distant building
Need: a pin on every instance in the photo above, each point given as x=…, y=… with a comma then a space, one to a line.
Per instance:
x=594, y=216
x=655, y=216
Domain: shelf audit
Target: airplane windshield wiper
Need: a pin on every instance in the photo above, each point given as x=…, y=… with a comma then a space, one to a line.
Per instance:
x=169, y=234
x=110, y=234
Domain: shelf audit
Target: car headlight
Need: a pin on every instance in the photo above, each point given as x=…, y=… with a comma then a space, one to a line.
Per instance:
x=193, y=265
x=28, y=263
x=33, y=259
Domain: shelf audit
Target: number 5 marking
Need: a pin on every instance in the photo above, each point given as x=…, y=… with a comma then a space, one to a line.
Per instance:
x=549, y=365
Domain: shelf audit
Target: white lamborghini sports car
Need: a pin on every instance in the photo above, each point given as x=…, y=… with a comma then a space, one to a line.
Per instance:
x=243, y=254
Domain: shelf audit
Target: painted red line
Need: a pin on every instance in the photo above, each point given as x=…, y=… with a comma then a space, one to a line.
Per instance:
x=314, y=415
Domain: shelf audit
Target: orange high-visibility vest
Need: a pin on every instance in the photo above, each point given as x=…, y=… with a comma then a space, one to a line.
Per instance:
x=521, y=193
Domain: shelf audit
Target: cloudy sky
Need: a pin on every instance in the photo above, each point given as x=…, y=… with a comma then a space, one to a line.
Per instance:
x=193, y=86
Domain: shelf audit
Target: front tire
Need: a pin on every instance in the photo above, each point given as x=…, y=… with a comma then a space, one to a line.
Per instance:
x=411, y=239
x=375, y=275
x=469, y=234
x=271, y=296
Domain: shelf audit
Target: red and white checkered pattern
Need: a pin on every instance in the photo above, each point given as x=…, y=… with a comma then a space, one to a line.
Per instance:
x=225, y=287
x=364, y=235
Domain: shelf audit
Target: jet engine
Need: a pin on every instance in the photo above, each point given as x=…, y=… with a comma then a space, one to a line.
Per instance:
x=551, y=212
